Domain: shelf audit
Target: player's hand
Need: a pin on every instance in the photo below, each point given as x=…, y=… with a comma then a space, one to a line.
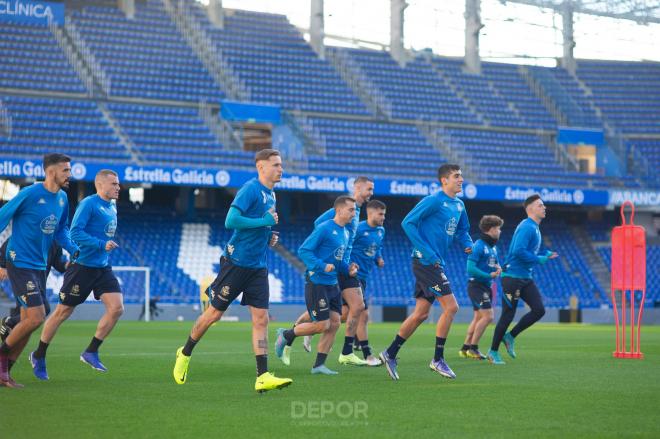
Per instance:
x=496, y=273
x=274, y=238
x=3, y=273
x=353, y=269
x=110, y=246
x=67, y=265
x=380, y=262
x=468, y=250
x=329, y=268
x=553, y=255
x=273, y=213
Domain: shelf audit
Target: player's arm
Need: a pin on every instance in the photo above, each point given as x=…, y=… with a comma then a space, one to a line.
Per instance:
x=237, y=221
x=325, y=216
x=3, y=254
x=56, y=258
x=379, y=261
x=522, y=248
x=463, y=233
x=8, y=210
x=411, y=224
x=63, y=235
x=306, y=252
x=78, y=233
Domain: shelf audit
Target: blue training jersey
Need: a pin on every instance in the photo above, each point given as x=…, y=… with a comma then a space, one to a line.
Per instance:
x=523, y=251
x=247, y=247
x=39, y=217
x=485, y=259
x=351, y=227
x=433, y=224
x=94, y=224
x=326, y=245
x=367, y=248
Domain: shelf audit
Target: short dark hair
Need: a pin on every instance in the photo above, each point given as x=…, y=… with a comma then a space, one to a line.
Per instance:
x=531, y=199
x=343, y=199
x=376, y=204
x=363, y=179
x=265, y=154
x=446, y=170
x=487, y=222
x=55, y=158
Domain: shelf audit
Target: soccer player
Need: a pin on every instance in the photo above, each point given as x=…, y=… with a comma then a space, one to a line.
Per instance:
x=40, y=213
x=243, y=269
x=517, y=282
x=432, y=225
x=56, y=260
x=366, y=253
x=93, y=229
x=323, y=254
x=363, y=190
x=483, y=267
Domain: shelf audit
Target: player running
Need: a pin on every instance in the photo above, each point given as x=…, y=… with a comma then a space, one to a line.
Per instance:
x=40, y=214
x=483, y=267
x=243, y=269
x=323, y=255
x=517, y=282
x=432, y=226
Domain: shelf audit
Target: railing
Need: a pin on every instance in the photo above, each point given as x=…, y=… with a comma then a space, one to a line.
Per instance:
x=208, y=53
x=5, y=120
x=130, y=147
x=313, y=141
x=221, y=129
x=443, y=142
x=77, y=64
x=351, y=72
x=88, y=57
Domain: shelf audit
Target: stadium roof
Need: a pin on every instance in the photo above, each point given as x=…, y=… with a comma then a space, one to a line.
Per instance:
x=641, y=11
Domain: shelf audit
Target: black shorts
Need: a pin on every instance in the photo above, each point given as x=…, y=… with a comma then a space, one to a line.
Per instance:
x=514, y=289
x=347, y=282
x=321, y=299
x=28, y=285
x=80, y=281
x=234, y=280
x=480, y=295
x=362, y=285
x=430, y=281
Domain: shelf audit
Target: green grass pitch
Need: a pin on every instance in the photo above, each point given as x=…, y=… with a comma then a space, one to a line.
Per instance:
x=563, y=384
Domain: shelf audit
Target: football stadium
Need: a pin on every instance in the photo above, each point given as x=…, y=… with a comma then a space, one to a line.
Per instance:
x=309, y=218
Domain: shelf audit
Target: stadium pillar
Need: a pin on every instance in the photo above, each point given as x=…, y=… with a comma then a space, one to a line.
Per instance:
x=396, y=30
x=317, y=28
x=127, y=7
x=473, y=26
x=216, y=13
x=568, y=61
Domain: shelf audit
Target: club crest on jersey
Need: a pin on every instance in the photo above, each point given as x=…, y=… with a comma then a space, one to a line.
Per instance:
x=48, y=224
x=450, y=228
x=322, y=303
x=486, y=298
x=111, y=228
x=339, y=253
x=30, y=286
x=75, y=290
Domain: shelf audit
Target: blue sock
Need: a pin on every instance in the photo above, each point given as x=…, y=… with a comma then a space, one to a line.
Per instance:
x=439, y=348
x=395, y=346
x=348, y=346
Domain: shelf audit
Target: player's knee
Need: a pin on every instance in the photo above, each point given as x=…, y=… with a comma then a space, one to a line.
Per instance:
x=334, y=325
x=116, y=311
x=323, y=326
x=539, y=312
x=33, y=322
x=260, y=321
x=420, y=317
x=358, y=308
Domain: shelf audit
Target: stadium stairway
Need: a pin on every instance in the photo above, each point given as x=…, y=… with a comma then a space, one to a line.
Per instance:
x=588, y=249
